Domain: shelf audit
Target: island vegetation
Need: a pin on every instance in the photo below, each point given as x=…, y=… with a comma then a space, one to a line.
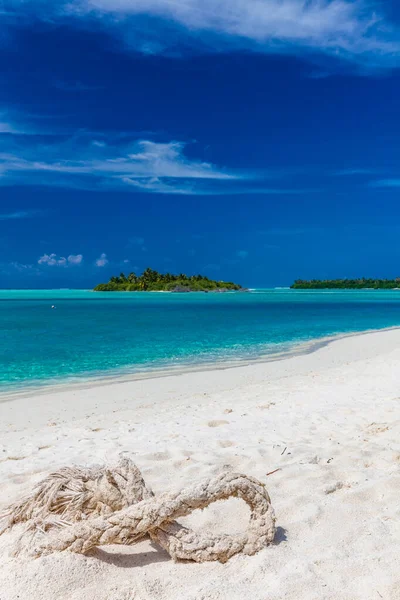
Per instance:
x=153, y=281
x=347, y=284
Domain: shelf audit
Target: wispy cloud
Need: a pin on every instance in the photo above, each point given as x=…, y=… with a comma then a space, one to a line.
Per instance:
x=355, y=30
x=21, y=214
x=121, y=162
x=115, y=163
x=6, y=127
x=15, y=123
x=385, y=183
x=102, y=261
x=52, y=260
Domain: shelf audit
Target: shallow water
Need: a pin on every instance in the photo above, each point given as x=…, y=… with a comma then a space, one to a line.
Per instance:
x=93, y=334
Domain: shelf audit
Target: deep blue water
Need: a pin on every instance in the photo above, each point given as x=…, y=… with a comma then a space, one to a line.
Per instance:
x=99, y=334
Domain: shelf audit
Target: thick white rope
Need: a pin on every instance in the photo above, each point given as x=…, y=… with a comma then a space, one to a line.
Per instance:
x=86, y=508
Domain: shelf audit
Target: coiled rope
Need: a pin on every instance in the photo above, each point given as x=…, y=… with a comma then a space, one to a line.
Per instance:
x=78, y=509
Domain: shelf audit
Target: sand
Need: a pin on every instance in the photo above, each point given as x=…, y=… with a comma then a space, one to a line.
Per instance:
x=329, y=421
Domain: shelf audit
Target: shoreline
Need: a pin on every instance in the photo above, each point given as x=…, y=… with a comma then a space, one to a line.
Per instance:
x=87, y=381
x=320, y=430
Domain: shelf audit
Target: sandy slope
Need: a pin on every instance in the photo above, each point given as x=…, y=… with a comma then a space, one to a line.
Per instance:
x=330, y=421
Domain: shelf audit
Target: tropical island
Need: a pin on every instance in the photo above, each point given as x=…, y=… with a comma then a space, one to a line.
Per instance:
x=153, y=281
x=347, y=284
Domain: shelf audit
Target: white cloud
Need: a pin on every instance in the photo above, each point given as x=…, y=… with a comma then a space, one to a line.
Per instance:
x=75, y=259
x=141, y=160
x=52, y=260
x=102, y=261
x=161, y=186
x=155, y=160
x=357, y=30
x=121, y=163
x=263, y=20
x=79, y=161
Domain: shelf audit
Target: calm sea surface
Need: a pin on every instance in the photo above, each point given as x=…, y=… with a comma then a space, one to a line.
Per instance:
x=95, y=334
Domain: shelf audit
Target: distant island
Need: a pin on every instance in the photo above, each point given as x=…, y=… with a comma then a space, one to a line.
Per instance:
x=346, y=284
x=152, y=281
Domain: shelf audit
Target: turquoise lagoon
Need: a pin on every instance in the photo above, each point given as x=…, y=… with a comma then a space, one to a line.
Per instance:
x=92, y=334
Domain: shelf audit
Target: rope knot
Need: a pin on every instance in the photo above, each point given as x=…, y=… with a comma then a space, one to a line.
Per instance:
x=85, y=508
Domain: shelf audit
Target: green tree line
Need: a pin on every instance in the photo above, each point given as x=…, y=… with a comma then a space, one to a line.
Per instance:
x=151, y=280
x=346, y=284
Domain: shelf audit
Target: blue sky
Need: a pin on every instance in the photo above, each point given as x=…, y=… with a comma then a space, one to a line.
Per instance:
x=251, y=140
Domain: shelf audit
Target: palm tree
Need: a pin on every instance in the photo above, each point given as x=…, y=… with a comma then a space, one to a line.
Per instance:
x=132, y=278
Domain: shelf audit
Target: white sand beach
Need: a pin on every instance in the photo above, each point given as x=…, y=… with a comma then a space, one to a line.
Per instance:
x=329, y=421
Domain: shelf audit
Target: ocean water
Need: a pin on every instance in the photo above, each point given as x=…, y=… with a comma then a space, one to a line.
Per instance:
x=92, y=334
